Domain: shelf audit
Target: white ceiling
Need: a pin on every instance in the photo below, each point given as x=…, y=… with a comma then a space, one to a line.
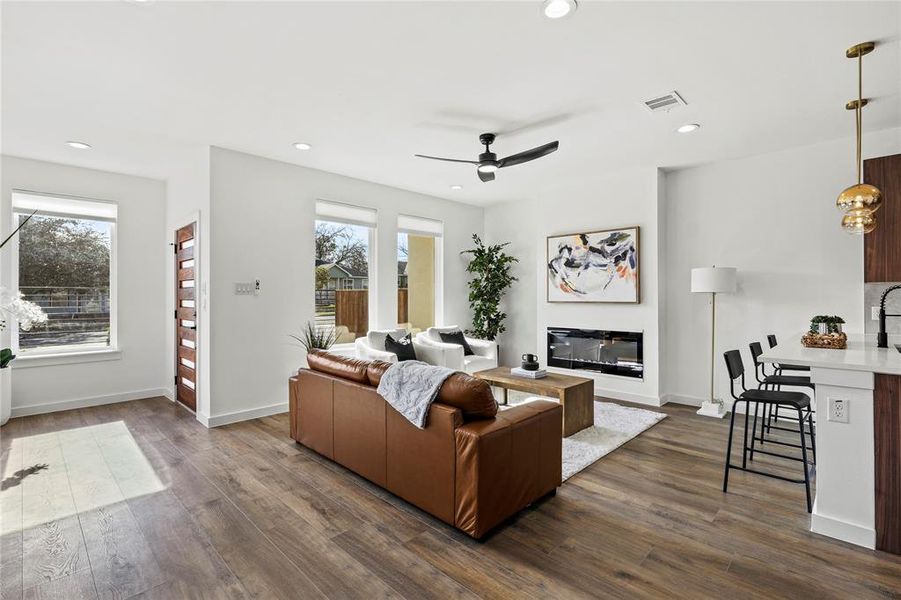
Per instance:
x=369, y=84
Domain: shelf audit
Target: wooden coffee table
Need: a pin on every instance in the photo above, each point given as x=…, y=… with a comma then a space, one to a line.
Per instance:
x=576, y=394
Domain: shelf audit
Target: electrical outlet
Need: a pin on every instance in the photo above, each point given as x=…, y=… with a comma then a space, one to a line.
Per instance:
x=874, y=313
x=838, y=410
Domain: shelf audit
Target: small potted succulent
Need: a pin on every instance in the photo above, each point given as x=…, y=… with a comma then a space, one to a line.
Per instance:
x=823, y=324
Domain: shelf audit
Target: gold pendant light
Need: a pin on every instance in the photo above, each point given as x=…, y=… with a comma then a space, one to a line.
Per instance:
x=860, y=201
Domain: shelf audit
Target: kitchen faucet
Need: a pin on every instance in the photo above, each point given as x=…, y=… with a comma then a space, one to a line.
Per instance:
x=882, y=336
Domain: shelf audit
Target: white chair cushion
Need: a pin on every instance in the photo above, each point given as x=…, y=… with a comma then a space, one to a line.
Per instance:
x=376, y=337
x=434, y=333
x=474, y=362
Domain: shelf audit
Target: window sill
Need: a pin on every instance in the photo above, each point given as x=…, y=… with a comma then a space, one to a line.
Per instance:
x=65, y=358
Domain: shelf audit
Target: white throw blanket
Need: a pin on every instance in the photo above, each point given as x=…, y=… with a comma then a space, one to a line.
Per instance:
x=411, y=386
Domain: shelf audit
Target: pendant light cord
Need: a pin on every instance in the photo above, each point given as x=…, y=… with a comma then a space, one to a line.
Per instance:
x=859, y=114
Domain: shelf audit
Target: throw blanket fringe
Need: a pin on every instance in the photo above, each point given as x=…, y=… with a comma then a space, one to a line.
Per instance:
x=411, y=386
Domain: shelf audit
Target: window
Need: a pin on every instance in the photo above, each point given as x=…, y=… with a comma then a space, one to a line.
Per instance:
x=344, y=242
x=419, y=274
x=65, y=257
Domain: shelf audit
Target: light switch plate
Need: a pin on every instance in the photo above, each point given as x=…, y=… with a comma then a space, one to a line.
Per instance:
x=874, y=313
x=244, y=289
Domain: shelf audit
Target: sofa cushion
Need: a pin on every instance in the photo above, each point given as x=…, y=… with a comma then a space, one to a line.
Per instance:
x=472, y=396
x=339, y=366
x=375, y=370
x=457, y=337
x=403, y=347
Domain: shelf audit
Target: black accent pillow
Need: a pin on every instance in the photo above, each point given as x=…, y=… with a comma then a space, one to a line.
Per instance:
x=457, y=337
x=403, y=347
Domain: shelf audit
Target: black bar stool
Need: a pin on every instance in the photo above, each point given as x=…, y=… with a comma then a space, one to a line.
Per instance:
x=774, y=414
x=775, y=382
x=796, y=401
x=771, y=340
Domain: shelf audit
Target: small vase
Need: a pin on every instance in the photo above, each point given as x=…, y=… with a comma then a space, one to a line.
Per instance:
x=5, y=394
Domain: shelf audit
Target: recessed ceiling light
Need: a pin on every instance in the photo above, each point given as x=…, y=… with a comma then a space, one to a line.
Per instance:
x=556, y=9
x=302, y=145
x=456, y=187
x=688, y=128
x=79, y=145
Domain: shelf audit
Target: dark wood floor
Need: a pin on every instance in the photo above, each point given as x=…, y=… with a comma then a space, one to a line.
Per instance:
x=139, y=500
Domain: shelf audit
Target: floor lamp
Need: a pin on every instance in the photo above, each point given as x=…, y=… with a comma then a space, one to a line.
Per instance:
x=713, y=281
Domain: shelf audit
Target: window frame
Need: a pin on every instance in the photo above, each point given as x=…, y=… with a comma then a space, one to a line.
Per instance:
x=371, y=224
x=433, y=228
x=86, y=353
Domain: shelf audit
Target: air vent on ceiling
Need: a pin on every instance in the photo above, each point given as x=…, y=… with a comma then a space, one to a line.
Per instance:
x=664, y=103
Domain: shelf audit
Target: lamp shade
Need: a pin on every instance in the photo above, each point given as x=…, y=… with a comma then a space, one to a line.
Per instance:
x=719, y=280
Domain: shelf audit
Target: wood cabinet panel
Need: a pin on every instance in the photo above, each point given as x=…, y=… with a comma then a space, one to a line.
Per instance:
x=882, y=247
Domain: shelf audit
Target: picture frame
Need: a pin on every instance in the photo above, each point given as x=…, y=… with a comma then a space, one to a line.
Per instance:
x=596, y=266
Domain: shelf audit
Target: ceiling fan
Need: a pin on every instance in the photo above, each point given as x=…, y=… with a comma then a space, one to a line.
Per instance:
x=488, y=162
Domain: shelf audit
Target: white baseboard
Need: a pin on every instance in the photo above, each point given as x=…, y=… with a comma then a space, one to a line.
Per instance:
x=243, y=415
x=170, y=394
x=680, y=399
x=842, y=530
x=628, y=397
x=48, y=407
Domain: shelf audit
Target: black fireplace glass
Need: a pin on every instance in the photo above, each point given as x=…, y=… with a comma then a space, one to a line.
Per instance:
x=598, y=350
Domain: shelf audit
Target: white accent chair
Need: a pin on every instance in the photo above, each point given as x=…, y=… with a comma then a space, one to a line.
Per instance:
x=451, y=355
x=372, y=347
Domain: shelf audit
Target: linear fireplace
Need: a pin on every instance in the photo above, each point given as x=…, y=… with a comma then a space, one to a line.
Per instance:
x=608, y=352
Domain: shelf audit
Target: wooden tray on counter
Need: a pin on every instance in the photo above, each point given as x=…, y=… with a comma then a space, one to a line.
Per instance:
x=833, y=341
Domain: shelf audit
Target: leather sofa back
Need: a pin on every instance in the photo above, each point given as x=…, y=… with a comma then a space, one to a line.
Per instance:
x=472, y=396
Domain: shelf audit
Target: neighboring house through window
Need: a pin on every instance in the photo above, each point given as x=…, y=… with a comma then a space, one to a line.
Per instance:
x=344, y=243
x=419, y=272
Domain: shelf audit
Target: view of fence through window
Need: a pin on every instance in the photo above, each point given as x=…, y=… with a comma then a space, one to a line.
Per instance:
x=342, y=279
x=64, y=267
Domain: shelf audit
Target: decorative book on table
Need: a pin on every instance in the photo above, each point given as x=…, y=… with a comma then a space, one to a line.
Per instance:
x=520, y=372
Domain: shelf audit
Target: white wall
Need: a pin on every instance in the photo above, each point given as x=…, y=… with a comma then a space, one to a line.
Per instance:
x=187, y=200
x=773, y=217
x=140, y=370
x=603, y=201
x=262, y=228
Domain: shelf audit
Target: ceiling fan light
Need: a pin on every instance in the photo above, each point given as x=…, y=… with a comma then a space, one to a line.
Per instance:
x=858, y=221
x=556, y=9
x=488, y=168
x=859, y=196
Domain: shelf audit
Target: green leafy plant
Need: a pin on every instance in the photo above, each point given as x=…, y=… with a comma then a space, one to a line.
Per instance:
x=831, y=321
x=313, y=338
x=491, y=278
x=6, y=355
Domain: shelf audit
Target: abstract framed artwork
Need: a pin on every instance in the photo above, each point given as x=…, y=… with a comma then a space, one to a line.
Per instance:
x=594, y=266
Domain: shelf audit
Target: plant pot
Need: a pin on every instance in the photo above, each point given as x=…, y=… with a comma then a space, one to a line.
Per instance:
x=824, y=328
x=5, y=395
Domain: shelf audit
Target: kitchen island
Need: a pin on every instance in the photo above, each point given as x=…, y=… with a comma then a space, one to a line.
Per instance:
x=858, y=471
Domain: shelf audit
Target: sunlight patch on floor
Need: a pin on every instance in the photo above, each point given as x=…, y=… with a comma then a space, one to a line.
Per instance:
x=50, y=476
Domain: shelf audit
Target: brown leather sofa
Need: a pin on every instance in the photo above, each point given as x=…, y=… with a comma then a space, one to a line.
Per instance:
x=471, y=466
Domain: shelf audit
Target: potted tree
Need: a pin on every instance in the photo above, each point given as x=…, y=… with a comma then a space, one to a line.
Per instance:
x=491, y=278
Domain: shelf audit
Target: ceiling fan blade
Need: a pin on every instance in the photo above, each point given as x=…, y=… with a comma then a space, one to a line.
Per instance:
x=485, y=176
x=518, y=159
x=456, y=160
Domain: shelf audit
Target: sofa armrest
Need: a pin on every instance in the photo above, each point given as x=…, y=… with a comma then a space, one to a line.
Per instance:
x=485, y=348
x=506, y=463
x=367, y=352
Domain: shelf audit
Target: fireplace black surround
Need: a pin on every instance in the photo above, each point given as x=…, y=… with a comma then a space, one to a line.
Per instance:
x=609, y=352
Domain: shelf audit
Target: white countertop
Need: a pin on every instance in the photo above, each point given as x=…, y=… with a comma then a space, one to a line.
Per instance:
x=860, y=355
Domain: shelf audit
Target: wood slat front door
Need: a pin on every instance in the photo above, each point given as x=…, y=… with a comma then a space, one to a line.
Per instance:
x=185, y=318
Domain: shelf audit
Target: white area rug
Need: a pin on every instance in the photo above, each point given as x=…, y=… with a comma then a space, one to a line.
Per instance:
x=614, y=425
